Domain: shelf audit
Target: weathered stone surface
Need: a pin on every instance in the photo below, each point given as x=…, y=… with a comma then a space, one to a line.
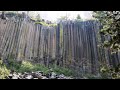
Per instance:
x=29, y=77
x=15, y=77
x=53, y=75
x=36, y=75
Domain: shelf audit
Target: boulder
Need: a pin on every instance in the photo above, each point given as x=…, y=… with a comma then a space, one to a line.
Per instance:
x=29, y=77
x=15, y=77
x=53, y=75
x=10, y=76
x=61, y=76
x=35, y=78
x=37, y=75
x=43, y=77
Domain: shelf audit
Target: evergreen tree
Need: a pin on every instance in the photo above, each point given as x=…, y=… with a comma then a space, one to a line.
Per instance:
x=38, y=18
x=78, y=17
x=110, y=21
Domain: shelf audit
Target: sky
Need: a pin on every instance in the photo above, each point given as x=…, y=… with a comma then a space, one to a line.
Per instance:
x=54, y=15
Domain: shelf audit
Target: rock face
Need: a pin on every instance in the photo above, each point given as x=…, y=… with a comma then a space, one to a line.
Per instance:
x=36, y=75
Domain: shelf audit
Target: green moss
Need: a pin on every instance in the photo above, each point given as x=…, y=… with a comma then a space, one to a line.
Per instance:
x=33, y=19
x=45, y=24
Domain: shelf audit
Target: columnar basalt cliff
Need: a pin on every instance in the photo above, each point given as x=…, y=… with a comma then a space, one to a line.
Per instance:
x=70, y=44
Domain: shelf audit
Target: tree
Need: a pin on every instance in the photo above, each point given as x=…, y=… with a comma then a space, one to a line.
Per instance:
x=27, y=13
x=78, y=17
x=3, y=15
x=110, y=21
x=62, y=18
x=38, y=18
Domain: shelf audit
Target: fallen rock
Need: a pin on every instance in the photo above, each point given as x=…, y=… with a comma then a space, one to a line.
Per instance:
x=10, y=76
x=29, y=77
x=48, y=75
x=61, y=76
x=43, y=77
x=14, y=77
x=36, y=75
x=53, y=75
x=35, y=78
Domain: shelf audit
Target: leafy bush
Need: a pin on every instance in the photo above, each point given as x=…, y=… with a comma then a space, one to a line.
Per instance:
x=25, y=67
x=45, y=24
x=4, y=72
x=28, y=67
x=110, y=21
x=110, y=72
x=61, y=70
x=40, y=67
x=13, y=65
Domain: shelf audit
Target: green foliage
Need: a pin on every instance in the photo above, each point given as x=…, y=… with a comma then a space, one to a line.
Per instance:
x=40, y=67
x=62, y=18
x=38, y=18
x=111, y=27
x=45, y=24
x=78, y=17
x=65, y=71
x=108, y=72
x=42, y=23
x=4, y=72
x=13, y=65
x=26, y=66
x=29, y=67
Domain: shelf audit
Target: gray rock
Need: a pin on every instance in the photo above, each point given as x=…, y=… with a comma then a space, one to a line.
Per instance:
x=53, y=75
x=48, y=75
x=39, y=77
x=68, y=78
x=10, y=76
x=43, y=77
x=29, y=77
x=36, y=75
x=26, y=73
x=61, y=76
x=35, y=78
x=14, y=77
x=21, y=76
x=39, y=72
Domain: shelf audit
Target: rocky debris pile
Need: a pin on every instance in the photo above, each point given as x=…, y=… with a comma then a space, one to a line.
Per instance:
x=36, y=75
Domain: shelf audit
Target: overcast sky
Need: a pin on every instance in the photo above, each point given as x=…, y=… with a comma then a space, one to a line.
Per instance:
x=54, y=15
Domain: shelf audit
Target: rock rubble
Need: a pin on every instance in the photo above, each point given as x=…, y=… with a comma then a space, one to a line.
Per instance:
x=36, y=75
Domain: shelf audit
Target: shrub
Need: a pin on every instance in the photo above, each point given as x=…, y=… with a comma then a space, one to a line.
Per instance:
x=40, y=67
x=29, y=67
x=26, y=66
x=13, y=65
x=110, y=72
x=4, y=72
x=62, y=70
